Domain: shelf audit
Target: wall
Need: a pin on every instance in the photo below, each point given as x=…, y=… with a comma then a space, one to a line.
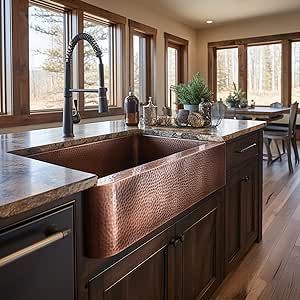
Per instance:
x=135, y=11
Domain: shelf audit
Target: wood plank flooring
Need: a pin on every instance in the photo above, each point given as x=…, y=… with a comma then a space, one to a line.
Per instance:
x=271, y=269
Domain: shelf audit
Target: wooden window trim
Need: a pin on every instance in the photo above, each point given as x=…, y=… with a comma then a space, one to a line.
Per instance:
x=284, y=39
x=182, y=46
x=150, y=33
x=20, y=112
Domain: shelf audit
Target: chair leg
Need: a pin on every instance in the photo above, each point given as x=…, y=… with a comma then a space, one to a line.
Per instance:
x=289, y=156
x=283, y=146
x=294, y=144
x=267, y=143
x=278, y=150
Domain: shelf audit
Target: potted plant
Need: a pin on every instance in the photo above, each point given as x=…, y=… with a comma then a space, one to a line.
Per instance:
x=237, y=98
x=193, y=94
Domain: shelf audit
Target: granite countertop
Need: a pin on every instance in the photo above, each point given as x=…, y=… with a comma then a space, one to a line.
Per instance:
x=27, y=183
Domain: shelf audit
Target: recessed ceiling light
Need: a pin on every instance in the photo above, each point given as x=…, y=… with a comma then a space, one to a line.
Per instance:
x=209, y=21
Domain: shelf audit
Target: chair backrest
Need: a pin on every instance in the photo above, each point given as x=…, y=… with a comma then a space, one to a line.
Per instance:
x=293, y=119
x=276, y=105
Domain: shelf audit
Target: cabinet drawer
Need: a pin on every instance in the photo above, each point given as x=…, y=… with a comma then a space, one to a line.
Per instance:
x=240, y=150
x=38, y=258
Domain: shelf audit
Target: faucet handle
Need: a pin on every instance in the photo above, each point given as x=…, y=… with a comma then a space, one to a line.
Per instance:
x=76, y=116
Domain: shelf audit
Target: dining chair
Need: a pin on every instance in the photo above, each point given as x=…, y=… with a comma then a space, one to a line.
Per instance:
x=288, y=136
x=271, y=127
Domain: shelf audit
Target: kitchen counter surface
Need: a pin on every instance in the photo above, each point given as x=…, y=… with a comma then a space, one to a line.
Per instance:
x=27, y=183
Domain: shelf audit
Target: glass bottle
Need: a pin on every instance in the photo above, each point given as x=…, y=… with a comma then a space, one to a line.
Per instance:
x=131, y=107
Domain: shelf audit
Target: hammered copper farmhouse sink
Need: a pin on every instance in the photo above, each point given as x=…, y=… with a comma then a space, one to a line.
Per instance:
x=144, y=181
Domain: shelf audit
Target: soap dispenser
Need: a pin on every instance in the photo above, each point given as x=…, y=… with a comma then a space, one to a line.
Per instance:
x=131, y=107
x=150, y=113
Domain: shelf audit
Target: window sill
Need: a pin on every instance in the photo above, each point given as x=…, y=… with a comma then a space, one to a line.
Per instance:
x=52, y=117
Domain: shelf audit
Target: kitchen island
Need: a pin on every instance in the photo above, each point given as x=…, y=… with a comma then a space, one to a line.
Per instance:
x=227, y=221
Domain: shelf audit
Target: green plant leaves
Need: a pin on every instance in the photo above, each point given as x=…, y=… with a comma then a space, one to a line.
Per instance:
x=193, y=93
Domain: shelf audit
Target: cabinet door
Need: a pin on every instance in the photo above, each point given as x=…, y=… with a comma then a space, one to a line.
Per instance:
x=233, y=221
x=146, y=274
x=241, y=213
x=199, y=253
x=249, y=192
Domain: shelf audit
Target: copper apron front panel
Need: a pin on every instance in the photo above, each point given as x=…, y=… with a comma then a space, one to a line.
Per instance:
x=125, y=207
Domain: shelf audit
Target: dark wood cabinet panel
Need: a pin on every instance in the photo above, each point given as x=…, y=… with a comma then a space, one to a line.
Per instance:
x=249, y=192
x=147, y=273
x=233, y=221
x=198, y=255
x=241, y=212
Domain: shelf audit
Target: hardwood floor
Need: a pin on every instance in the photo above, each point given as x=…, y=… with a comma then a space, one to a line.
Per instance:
x=271, y=269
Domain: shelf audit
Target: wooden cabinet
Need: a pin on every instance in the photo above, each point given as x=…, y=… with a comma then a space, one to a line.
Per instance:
x=242, y=199
x=183, y=262
x=147, y=273
x=199, y=256
x=37, y=258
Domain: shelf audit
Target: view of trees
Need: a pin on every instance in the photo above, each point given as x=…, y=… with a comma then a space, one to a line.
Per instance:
x=139, y=67
x=227, y=71
x=101, y=33
x=172, y=75
x=264, y=74
x=47, y=48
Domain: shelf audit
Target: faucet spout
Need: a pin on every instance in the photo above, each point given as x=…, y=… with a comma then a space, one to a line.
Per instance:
x=68, y=103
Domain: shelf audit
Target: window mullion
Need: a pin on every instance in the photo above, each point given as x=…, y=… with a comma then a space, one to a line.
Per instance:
x=242, y=67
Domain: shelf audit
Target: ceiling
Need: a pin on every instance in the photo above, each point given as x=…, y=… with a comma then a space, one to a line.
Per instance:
x=196, y=12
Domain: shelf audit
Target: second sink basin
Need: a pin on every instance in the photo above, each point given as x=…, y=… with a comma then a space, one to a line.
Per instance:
x=144, y=181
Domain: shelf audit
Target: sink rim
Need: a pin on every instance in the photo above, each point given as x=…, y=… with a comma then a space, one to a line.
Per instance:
x=157, y=163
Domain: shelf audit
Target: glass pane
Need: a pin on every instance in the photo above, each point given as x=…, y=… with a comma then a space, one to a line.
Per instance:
x=296, y=71
x=264, y=74
x=101, y=33
x=172, y=75
x=2, y=109
x=227, y=71
x=139, y=67
x=46, y=58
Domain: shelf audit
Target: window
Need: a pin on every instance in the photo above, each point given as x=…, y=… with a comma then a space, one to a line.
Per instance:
x=142, y=57
x=47, y=36
x=139, y=66
x=264, y=74
x=176, y=65
x=296, y=71
x=102, y=33
x=36, y=35
x=227, y=71
x=173, y=74
x=3, y=48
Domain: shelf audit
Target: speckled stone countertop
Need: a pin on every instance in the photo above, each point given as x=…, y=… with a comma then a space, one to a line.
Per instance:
x=26, y=183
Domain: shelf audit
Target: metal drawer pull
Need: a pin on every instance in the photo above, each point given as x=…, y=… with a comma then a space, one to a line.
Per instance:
x=34, y=247
x=247, y=148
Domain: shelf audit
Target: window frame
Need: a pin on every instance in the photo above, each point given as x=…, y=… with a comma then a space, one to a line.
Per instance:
x=181, y=45
x=20, y=113
x=286, y=60
x=149, y=33
x=3, y=98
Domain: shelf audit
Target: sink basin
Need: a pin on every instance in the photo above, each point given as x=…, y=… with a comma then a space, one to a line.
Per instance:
x=144, y=181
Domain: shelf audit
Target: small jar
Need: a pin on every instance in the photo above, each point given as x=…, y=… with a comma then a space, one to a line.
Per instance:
x=150, y=113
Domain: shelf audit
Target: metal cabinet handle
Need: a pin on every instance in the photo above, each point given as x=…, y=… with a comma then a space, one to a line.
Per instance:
x=34, y=247
x=247, y=148
x=174, y=242
x=181, y=238
x=246, y=178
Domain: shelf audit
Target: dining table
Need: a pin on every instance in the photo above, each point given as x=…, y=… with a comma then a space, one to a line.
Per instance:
x=264, y=113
